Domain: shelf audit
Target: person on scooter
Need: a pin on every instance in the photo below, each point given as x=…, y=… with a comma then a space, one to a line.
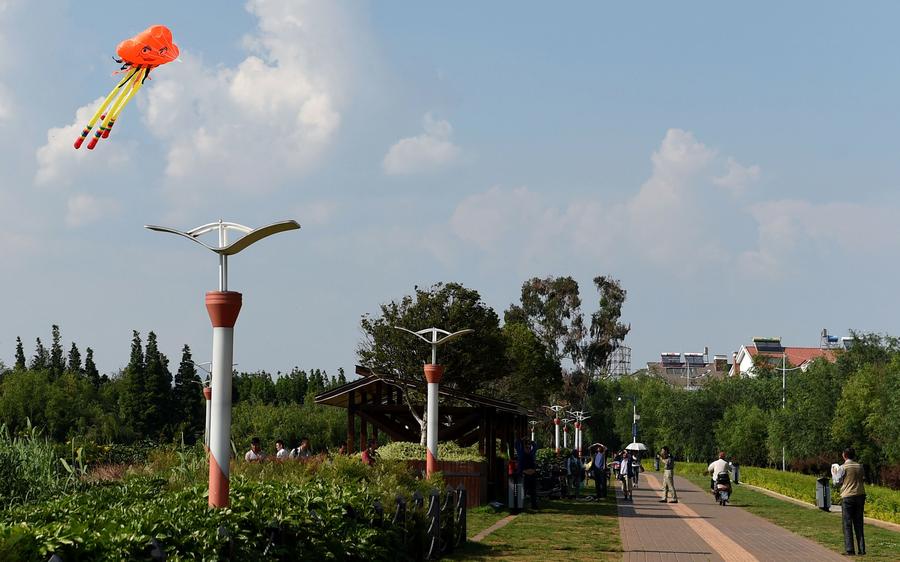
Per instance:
x=717, y=466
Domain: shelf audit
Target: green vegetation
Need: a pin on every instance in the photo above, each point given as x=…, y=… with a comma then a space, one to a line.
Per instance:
x=449, y=451
x=69, y=400
x=559, y=530
x=881, y=503
x=854, y=401
x=814, y=524
x=316, y=510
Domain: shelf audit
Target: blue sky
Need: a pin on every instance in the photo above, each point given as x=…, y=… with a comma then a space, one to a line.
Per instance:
x=736, y=167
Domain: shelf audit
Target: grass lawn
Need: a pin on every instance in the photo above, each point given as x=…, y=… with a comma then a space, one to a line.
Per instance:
x=559, y=530
x=814, y=524
x=480, y=518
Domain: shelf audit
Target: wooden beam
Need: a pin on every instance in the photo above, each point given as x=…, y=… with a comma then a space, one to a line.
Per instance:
x=396, y=431
x=459, y=427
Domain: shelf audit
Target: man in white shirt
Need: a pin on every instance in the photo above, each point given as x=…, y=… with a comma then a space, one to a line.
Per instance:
x=718, y=466
x=280, y=452
x=303, y=451
x=255, y=453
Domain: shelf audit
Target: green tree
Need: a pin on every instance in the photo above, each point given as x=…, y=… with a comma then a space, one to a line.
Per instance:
x=532, y=373
x=57, y=363
x=41, y=358
x=132, y=392
x=20, y=354
x=187, y=399
x=90, y=368
x=471, y=362
x=74, y=362
x=742, y=433
x=157, y=389
x=291, y=388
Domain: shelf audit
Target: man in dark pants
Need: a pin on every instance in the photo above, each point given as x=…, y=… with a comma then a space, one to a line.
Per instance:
x=527, y=468
x=853, y=502
x=599, y=468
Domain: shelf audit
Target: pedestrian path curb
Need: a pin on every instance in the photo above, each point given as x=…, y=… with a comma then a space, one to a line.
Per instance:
x=498, y=525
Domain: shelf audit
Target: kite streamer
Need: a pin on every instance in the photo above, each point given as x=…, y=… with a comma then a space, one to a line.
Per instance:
x=138, y=56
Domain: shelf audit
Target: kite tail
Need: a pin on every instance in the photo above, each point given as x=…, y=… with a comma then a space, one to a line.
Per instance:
x=99, y=113
x=124, y=97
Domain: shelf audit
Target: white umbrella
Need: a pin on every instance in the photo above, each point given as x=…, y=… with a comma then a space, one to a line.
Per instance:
x=636, y=447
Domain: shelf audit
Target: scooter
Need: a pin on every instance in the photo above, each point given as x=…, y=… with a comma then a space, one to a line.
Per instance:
x=722, y=488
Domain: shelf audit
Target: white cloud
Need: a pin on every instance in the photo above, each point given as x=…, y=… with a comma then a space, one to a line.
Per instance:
x=661, y=223
x=60, y=164
x=428, y=152
x=250, y=128
x=737, y=176
x=790, y=230
x=83, y=209
x=317, y=212
x=6, y=104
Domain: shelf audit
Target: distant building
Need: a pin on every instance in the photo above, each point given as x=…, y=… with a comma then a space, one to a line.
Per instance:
x=689, y=370
x=772, y=351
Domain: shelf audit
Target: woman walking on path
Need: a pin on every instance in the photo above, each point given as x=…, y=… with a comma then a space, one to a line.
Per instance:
x=625, y=472
x=668, y=476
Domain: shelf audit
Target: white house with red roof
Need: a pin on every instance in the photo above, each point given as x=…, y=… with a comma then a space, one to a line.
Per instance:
x=776, y=354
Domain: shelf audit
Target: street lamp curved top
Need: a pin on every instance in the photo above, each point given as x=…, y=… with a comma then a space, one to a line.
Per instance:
x=224, y=248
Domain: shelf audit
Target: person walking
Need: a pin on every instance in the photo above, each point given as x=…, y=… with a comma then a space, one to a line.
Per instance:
x=599, y=472
x=574, y=474
x=853, y=502
x=526, y=453
x=625, y=472
x=668, y=464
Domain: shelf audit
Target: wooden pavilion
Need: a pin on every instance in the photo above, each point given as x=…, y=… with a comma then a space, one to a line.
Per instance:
x=376, y=403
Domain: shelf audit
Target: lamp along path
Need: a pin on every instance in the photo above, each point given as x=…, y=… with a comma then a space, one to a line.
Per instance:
x=697, y=528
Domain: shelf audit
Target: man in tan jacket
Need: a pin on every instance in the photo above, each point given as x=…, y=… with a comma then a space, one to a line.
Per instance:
x=853, y=502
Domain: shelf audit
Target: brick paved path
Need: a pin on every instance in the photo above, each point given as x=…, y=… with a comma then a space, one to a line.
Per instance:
x=697, y=528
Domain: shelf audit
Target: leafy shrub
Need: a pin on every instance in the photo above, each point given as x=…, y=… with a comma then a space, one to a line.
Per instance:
x=289, y=510
x=30, y=469
x=404, y=450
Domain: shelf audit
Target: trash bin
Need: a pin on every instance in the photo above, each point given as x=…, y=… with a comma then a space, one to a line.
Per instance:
x=736, y=468
x=516, y=491
x=823, y=493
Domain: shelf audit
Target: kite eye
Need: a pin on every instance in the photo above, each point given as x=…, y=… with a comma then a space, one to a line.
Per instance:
x=164, y=50
x=146, y=49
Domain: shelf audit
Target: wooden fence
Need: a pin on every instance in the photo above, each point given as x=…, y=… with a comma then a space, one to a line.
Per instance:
x=471, y=475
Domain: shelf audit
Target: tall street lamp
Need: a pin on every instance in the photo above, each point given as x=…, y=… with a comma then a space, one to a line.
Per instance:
x=784, y=371
x=433, y=375
x=634, y=417
x=223, y=307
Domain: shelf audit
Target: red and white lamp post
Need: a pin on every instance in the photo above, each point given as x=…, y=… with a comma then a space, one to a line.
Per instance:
x=565, y=426
x=223, y=307
x=579, y=417
x=433, y=375
x=556, y=410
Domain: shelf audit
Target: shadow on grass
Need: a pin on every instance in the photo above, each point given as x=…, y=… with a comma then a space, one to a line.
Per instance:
x=546, y=534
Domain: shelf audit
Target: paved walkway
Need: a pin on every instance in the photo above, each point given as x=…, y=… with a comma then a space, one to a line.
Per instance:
x=697, y=528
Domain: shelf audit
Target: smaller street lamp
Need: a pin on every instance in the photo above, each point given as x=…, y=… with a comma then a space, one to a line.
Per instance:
x=635, y=417
x=433, y=374
x=565, y=424
x=556, y=410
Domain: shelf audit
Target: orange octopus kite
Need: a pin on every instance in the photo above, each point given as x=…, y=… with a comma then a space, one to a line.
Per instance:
x=139, y=55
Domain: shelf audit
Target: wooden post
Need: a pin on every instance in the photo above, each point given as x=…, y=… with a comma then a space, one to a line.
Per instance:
x=364, y=427
x=351, y=422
